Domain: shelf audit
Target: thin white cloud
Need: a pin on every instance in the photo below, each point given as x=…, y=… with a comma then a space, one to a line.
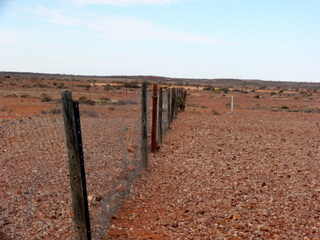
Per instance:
x=126, y=2
x=53, y=15
x=123, y=27
x=119, y=28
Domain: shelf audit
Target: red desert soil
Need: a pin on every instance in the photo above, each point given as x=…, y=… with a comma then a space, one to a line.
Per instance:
x=246, y=175
x=253, y=174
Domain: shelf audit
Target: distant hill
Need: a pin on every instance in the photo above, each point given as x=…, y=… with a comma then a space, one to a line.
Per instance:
x=217, y=82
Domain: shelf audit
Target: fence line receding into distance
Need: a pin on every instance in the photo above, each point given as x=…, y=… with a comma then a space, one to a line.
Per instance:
x=35, y=175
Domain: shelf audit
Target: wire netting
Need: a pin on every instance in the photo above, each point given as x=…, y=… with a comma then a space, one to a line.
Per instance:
x=35, y=187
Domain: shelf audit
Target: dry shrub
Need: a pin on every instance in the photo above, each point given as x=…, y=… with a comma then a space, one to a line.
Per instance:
x=89, y=113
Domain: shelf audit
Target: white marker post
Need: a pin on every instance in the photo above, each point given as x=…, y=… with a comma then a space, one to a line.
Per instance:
x=231, y=104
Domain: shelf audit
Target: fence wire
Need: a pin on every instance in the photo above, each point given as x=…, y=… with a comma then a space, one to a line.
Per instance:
x=35, y=187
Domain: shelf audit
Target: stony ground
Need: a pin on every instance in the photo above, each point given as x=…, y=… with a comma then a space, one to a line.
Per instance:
x=246, y=175
x=252, y=174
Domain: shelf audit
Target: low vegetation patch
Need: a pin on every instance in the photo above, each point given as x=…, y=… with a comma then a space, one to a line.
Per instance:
x=192, y=105
x=132, y=84
x=45, y=98
x=208, y=88
x=89, y=113
x=25, y=95
x=12, y=95
x=127, y=102
x=52, y=111
x=84, y=100
x=215, y=112
x=3, y=109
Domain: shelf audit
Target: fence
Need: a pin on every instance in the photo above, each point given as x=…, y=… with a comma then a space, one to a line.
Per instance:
x=36, y=200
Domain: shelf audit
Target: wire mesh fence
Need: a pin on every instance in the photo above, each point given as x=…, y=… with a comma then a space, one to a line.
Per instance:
x=34, y=179
x=35, y=187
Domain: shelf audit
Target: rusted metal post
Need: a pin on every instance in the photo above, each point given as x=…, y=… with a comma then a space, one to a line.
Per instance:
x=154, y=119
x=71, y=116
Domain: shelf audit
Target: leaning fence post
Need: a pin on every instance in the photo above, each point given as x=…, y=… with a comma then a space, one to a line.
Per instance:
x=71, y=116
x=144, y=127
x=154, y=119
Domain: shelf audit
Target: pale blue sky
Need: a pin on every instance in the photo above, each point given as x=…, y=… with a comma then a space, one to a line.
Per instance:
x=247, y=39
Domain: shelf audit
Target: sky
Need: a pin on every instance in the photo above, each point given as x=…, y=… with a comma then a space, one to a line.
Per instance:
x=246, y=39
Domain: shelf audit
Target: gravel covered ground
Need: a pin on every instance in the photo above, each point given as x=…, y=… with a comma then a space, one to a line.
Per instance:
x=253, y=174
x=246, y=175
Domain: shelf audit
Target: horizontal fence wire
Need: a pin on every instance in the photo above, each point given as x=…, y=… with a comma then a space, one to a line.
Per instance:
x=35, y=186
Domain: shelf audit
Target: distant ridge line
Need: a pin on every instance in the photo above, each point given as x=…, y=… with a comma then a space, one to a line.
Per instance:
x=161, y=78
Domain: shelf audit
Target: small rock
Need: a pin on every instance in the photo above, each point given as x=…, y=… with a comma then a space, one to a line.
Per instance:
x=120, y=188
x=264, y=228
x=91, y=198
x=130, y=149
x=99, y=198
x=131, y=168
x=120, y=174
x=236, y=217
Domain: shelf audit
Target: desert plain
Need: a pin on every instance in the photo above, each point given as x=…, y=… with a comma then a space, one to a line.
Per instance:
x=241, y=162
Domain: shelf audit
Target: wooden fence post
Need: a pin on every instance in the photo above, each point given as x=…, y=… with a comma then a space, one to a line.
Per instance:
x=71, y=116
x=176, y=110
x=169, y=107
x=160, y=106
x=144, y=128
x=154, y=119
x=173, y=102
x=182, y=100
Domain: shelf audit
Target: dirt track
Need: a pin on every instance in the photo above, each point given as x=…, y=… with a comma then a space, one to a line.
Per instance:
x=246, y=175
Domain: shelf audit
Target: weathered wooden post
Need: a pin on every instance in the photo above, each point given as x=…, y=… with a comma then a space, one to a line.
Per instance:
x=182, y=100
x=160, y=106
x=144, y=127
x=176, y=111
x=71, y=116
x=154, y=119
x=173, y=103
x=169, y=107
x=185, y=95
